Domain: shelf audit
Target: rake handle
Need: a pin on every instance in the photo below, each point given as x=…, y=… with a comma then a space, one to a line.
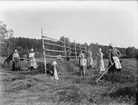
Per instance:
x=104, y=73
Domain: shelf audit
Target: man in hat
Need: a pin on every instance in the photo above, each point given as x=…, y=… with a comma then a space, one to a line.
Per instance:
x=114, y=61
x=16, y=60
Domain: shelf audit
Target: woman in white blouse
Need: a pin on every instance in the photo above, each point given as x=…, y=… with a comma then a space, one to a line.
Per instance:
x=100, y=62
x=33, y=64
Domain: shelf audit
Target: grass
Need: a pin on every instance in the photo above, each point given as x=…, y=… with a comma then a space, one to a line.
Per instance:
x=36, y=88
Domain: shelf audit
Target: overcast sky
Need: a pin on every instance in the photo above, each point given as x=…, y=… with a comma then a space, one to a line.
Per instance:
x=83, y=21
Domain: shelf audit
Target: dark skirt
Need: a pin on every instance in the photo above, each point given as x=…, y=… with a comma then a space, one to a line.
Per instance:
x=82, y=68
x=68, y=58
x=89, y=67
x=16, y=65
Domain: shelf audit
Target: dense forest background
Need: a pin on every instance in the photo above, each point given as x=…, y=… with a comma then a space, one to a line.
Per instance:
x=25, y=44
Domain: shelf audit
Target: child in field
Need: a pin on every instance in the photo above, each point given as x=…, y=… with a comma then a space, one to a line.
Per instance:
x=100, y=62
x=89, y=61
x=83, y=64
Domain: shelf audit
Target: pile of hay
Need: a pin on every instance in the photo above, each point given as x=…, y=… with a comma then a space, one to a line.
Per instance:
x=64, y=66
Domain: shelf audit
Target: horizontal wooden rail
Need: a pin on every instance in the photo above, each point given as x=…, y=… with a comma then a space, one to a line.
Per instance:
x=53, y=44
x=57, y=56
x=61, y=51
x=53, y=50
x=63, y=41
x=56, y=40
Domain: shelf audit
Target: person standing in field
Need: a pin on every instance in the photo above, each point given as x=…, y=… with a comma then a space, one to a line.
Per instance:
x=25, y=55
x=100, y=62
x=83, y=64
x=80, y=57
x=16, y=60
x=89, y=61
x=33, y=64
x=68, y=54
x=114, y=61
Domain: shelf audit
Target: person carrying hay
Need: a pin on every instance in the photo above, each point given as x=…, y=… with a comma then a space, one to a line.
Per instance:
x=33, y=64
x=16, y=60
x=52, y=70
x=100, y=62
x=89, y=61
x=54, y=63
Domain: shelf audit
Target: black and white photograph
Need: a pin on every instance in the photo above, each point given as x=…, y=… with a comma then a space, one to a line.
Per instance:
x=71, y=52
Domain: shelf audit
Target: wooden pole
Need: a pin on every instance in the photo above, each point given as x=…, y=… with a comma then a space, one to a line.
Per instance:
x=80, y=47
x=65, y=48
x=85, y=48
x=75, y=49
x=43, y=46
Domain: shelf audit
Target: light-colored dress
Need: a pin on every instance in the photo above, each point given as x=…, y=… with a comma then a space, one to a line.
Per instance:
x=32, y=60
x=89, y=61
x=55, y=73
x=100, y=62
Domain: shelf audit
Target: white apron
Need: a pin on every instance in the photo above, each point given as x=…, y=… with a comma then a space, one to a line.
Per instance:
x=55, y=73
x=32, y=60
x=117, y=62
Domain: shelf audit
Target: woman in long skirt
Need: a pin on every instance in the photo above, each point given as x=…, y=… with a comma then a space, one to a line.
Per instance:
x=89, y=62
x=100, y=62
x=16, y=60
x=32, y=60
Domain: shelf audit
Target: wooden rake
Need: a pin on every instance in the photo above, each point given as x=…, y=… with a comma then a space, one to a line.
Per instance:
x=104, y=72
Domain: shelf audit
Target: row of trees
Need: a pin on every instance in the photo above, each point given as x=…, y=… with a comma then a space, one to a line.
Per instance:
x=25, y=44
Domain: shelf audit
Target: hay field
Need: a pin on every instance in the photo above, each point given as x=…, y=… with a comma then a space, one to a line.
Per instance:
x=35, y=88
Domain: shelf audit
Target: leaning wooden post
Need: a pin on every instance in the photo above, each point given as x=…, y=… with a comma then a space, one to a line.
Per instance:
x=75, y=49
x=86, y=49
x=43, y=46
x=65, y=48
x=80, y=47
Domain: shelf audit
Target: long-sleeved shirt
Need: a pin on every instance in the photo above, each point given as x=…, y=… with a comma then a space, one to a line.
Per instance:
x=31, y=55
x=16, y=55
x=113, y=52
